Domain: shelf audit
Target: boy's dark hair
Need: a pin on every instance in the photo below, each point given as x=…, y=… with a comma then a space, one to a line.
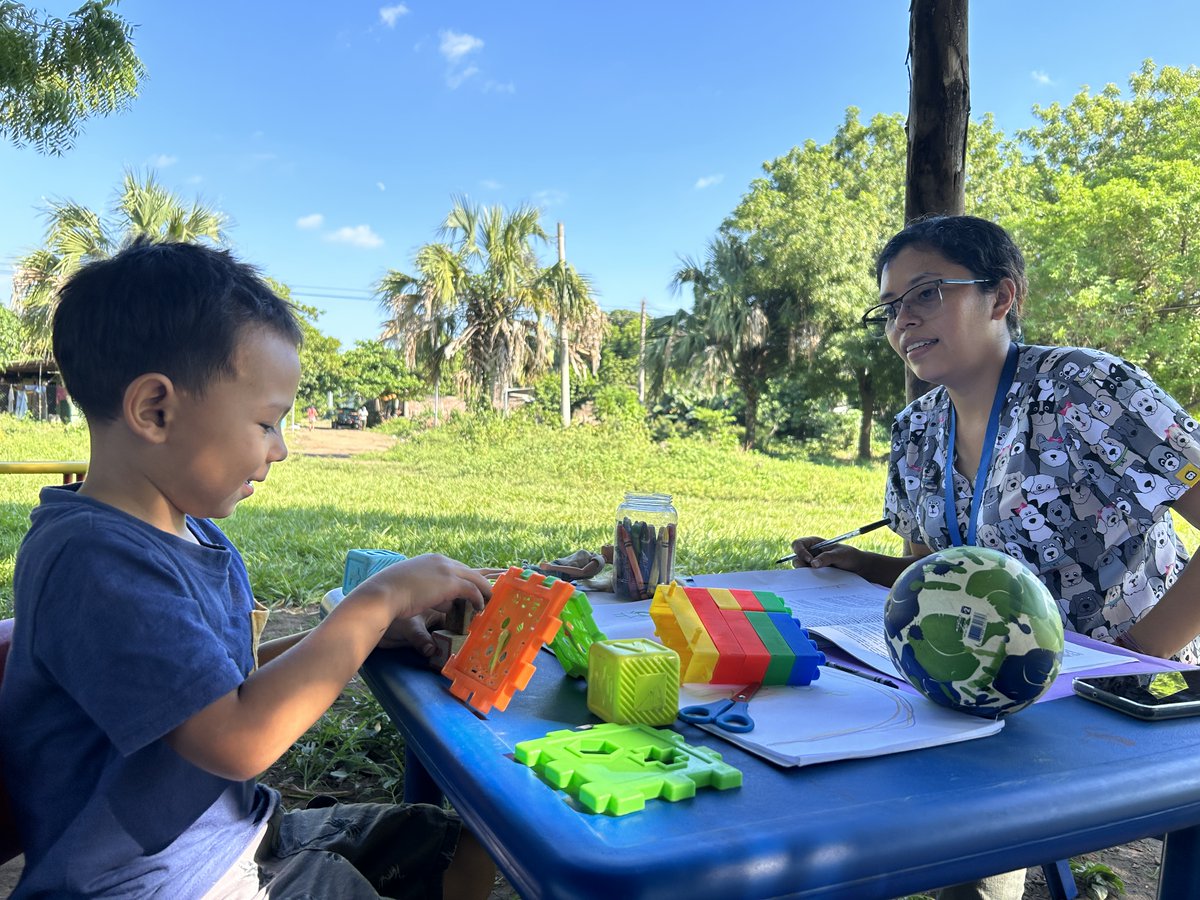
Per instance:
x=973, y=243
x=174, y=308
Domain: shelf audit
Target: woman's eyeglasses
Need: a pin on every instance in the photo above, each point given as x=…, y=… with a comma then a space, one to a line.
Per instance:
x=925, y=300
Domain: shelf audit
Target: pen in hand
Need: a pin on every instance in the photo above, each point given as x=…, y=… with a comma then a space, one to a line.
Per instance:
x=823, y=545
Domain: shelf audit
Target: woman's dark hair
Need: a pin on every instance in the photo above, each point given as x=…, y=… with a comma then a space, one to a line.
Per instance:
x=973, y=243
x=174, y=308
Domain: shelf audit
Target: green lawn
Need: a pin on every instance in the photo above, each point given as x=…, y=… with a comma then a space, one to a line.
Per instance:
x=494, y=492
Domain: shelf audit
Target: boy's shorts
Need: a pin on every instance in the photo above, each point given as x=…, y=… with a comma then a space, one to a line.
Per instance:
x=347, y=850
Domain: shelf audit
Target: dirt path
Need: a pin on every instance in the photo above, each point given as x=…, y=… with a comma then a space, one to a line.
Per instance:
x=336, y=442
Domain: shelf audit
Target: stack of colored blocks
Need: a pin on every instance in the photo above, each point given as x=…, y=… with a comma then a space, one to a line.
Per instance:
x=733, y=637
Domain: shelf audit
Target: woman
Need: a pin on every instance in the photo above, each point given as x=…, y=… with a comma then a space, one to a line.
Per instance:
x=1066, y=458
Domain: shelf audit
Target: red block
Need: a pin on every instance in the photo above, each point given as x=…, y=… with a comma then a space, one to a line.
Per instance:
x=730, y=657
x=747, y=600
x=756, y=658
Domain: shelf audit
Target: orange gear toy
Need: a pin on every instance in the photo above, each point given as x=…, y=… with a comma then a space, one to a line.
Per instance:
x=495, y=661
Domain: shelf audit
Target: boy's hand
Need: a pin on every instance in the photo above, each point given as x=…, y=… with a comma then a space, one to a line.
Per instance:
x=413, y=632
x=425, y=587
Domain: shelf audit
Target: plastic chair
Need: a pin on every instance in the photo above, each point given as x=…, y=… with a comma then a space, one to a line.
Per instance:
x=10, y=841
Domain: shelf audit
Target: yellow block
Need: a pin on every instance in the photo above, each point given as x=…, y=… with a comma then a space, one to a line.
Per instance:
x=723, y=598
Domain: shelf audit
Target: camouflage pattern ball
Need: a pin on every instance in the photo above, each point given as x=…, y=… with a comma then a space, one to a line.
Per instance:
x=974, y=630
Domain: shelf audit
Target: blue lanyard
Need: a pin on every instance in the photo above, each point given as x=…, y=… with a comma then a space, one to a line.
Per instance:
x=985, y=457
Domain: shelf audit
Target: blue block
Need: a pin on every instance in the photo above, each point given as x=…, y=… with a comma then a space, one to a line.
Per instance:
x=362, y=564
x=808, y=657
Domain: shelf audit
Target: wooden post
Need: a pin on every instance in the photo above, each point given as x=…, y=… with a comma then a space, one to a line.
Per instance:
x=939, y=108
x=564, y=363
x=642, y=358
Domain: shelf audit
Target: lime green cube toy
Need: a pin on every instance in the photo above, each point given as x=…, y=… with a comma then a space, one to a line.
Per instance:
x=633, y=681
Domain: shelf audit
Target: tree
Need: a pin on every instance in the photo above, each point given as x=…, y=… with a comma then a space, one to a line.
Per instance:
x=372, y=371
x=76, y=235
x=734, y=331
x=1112, y=242
x=320, y=362
x=54, y=73
x=480, y=293
x=12, y=337
x=819, y=216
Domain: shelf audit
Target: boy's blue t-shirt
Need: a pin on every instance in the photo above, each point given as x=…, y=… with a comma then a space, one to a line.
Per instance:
x=122, y=632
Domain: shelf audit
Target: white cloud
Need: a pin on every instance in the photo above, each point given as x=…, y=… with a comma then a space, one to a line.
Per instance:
x=381, y=185
x=455, y=46
x=1040, y=77
x=708, y=181
x=495, y=87
x=454, y=79
x=162, y=160
x=490, y=185
x=549, y=197
x=391, y=14
x=357, y=236
x=310, y=221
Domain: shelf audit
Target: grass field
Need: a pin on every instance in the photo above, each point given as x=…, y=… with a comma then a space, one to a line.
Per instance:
x=494, y=492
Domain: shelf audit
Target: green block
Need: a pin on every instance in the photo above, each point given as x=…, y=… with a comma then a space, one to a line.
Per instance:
x=771, y=602
x=576, y=636
x=635, y=680
x=615, y=769
x=783, y=658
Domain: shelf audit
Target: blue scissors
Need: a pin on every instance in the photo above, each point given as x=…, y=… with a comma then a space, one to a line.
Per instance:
x=728, y=715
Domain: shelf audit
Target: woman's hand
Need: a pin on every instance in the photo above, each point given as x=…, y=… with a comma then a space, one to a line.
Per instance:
x=840, y=556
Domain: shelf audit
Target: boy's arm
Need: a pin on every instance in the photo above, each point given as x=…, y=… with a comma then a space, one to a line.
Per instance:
x=268, y=650
x=240, y=734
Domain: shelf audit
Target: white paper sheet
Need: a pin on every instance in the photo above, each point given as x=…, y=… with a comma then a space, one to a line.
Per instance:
x=839, y=716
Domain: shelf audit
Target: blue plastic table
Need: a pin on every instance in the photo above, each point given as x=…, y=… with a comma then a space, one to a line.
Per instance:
x=1062, y=778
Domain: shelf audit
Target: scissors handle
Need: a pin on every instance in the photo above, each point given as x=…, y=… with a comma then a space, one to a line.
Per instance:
x=703, y=713
x=735, y=719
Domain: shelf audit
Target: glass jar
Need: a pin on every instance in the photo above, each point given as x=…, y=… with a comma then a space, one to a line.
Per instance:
x=644, y=545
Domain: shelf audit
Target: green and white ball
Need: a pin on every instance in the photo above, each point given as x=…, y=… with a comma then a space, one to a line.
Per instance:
x=973, y=629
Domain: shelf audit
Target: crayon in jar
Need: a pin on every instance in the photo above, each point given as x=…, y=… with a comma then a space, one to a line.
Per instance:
x=644, y=545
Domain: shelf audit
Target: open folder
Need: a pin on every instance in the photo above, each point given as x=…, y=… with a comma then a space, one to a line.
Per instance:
x=840, y=716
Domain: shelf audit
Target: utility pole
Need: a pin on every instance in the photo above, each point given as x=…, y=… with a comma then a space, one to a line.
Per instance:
x=562, y=329
x=642, y=359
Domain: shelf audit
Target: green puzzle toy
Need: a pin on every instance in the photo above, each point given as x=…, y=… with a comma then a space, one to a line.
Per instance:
x=615, y=769
x=576, y=636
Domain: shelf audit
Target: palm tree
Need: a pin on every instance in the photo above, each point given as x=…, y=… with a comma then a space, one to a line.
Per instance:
x=76, y=235
x=481, y=293
x=733, y=332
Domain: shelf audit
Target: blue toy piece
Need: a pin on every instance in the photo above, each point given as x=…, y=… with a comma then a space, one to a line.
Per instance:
x=362, y=564
x=808, y=658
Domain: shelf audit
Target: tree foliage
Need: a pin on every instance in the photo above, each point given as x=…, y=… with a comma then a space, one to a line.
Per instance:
x=481, y=293
x=1112, y=238
x=54, y=73
x=76, y=235
x=736, y=331
x=371, y=370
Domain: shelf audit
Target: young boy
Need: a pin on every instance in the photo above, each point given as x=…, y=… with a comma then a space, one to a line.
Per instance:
x=136, y=712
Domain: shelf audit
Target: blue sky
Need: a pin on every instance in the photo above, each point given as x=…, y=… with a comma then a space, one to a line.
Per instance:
x=336, y=134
